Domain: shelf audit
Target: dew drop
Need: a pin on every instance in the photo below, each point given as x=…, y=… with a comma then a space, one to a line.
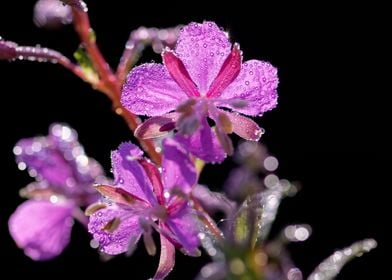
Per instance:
x=17, y=150
x=205, y=45
x=247, y=83
x=22, y=165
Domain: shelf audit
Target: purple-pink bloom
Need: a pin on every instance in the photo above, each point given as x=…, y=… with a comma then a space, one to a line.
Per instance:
x=64, y=178
x=203, y=74
x=143, y=198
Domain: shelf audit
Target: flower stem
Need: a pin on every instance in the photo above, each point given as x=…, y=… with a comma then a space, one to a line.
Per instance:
x=110, y=83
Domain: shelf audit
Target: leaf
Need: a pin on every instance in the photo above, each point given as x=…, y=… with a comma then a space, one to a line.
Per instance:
x=247, y=220
x=86, y=64
x=330, y=267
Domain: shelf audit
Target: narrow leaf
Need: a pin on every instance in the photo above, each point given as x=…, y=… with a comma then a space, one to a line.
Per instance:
x=330, y=267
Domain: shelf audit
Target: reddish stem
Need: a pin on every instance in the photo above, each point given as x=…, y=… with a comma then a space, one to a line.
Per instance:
x=110, y=84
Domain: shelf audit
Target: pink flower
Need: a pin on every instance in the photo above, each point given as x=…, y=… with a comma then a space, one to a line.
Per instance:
x=143, y=199
x=202, y=75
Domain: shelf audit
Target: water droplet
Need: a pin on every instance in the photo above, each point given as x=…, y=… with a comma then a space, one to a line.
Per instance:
x=22, y=165
x=211, y=54
x=205, y=45
x=53, y=199
x=250, y=72
x=17, y=150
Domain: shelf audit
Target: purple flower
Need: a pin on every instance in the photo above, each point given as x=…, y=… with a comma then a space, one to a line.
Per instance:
x=203, y=74
x=64, y=178
x=143, y=198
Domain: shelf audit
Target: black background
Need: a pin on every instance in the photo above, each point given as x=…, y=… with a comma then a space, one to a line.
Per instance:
x=327, y=130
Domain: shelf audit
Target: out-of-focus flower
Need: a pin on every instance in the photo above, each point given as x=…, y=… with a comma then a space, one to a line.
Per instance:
x=203, y=74
x=52, y=14
x=64, y=176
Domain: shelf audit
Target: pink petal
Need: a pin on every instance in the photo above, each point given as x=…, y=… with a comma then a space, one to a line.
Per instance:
x=48, y=161
x=122, y=238
x=203, y=48
x=166, y=260
x=228, y=73
x=256, y=84
x=178, y=170
x=178, y=72
x=203, y=144
x=150, y=90
x=184, y=227
x=129, y=174
x=245, y=127
x=155, y=178
x=157, y=126
x=41, y=228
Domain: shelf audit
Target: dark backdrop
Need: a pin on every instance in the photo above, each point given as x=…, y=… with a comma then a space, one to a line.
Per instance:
x=326, y=131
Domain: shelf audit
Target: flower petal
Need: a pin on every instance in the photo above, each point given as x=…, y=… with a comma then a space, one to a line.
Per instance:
x=157, y=126
x=203, y=144
x=178, y=72
x=184, y=226
x=41, y=228
x=150, y=90
x=129, y=174
x=203, y=48
x=166, y=260
x=256, y=84
x=245, y=127
x=228, y=73
x=44, y=160
x=177, y=169
x=126, y=235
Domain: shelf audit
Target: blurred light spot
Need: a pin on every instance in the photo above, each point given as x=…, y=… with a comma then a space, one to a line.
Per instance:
x=53, y=199
x=166, y=194
x=33, y=172
x=271, y=181
x=94, y=244
x=261, y=259
x=301, y=234
x=82, y=160
x=22, y=165
x=17, y=150
x=237, y=267
x=271, y=163
x=36, y=146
